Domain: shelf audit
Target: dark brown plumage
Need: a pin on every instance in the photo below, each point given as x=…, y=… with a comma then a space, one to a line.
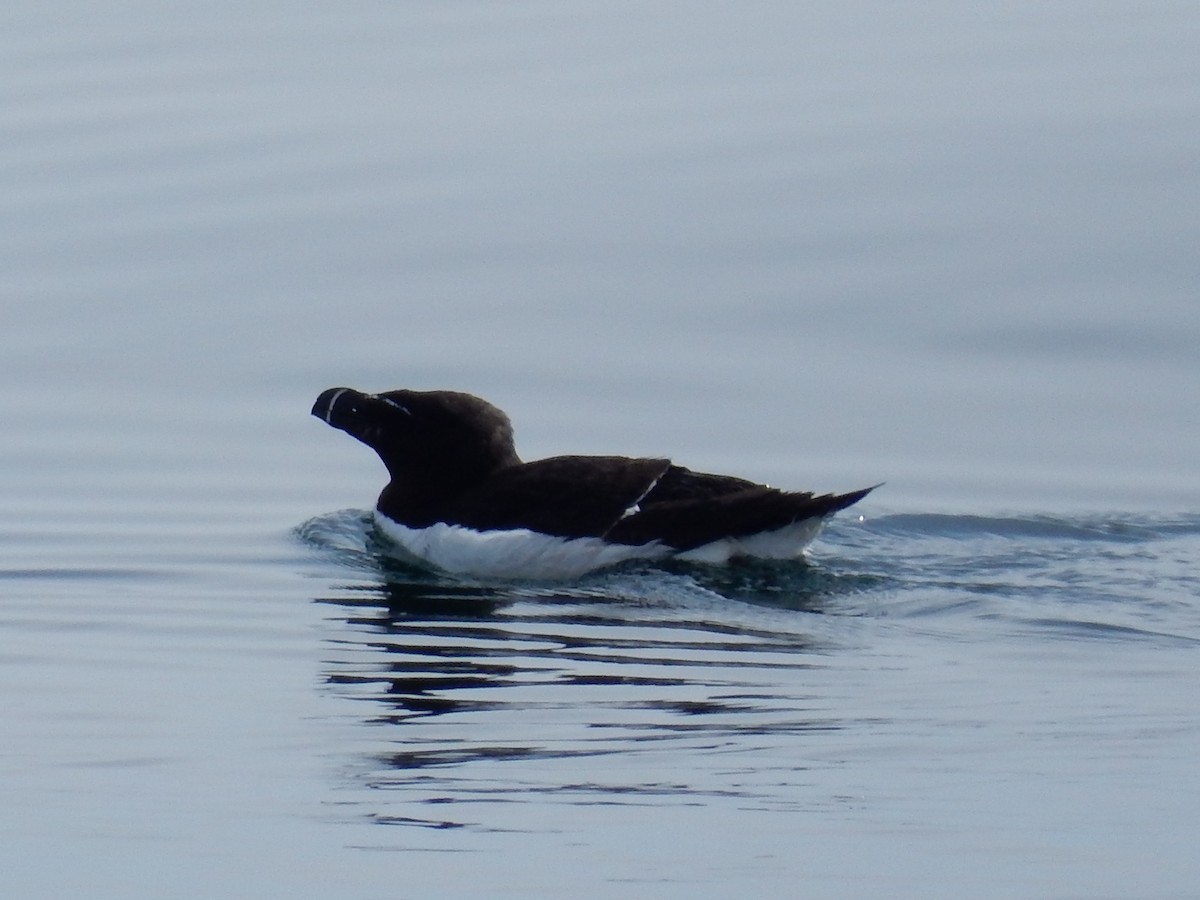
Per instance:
x=451, y=459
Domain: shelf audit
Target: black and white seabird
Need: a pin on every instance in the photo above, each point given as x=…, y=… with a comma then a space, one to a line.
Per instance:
x=461, y=500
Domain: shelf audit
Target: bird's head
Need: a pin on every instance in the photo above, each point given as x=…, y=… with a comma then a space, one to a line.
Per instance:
x=426, y=436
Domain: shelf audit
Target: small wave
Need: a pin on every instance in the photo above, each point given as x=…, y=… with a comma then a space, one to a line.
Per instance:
x=83, y=574
x=349, y=537
x=1084, y=629
x=1128, y=529
x=346, y=529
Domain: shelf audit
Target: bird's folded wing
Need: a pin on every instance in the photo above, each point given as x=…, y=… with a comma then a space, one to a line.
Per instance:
x=688, y=523
x=565, y=496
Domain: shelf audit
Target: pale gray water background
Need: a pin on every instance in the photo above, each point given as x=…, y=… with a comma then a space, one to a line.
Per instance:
x=822, y=245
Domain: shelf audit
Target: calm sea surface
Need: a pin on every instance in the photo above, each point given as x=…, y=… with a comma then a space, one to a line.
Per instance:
x=821, y=245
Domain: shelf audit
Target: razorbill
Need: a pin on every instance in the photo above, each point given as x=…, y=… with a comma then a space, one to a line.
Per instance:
x=461, y=500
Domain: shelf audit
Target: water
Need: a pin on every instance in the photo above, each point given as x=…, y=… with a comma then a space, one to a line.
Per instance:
x=818, y=246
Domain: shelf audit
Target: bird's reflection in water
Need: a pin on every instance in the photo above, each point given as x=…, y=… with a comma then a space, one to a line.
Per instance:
x=630, y=687
x=616, y=668
x=647, y=685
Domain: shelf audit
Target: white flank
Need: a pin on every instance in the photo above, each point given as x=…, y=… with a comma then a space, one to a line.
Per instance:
x=523, y=554
x=516, y=554
x=788, y=542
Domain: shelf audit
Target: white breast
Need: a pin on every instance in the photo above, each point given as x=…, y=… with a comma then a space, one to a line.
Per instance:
x=515, y=554
x=522, y=554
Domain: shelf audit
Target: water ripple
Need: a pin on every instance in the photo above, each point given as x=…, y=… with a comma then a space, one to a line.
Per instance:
x=489, y=695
